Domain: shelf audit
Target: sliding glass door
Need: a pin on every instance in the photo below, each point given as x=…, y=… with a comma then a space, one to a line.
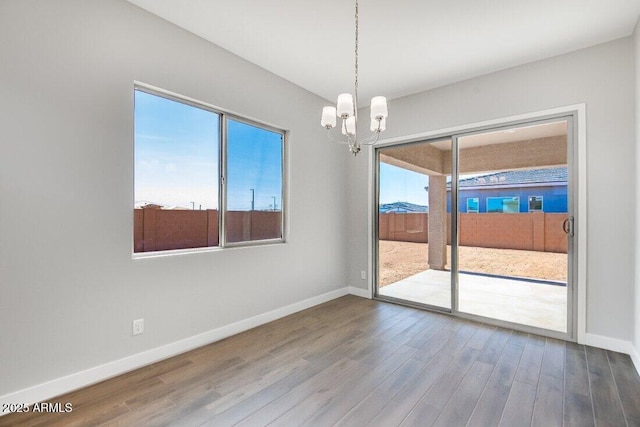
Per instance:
x=513, y=198
x=413, y=244
x=506, y=255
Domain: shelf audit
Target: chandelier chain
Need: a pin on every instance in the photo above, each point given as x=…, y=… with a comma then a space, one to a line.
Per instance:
x=356, y=65
x=347, y=108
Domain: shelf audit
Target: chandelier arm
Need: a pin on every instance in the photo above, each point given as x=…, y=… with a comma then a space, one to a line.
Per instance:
x=331, y=138
x=367, y=140
x=371, y=140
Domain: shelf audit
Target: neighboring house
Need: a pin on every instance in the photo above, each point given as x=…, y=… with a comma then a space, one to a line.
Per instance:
x=402, y=207
x=151, y=205
x=526, y=190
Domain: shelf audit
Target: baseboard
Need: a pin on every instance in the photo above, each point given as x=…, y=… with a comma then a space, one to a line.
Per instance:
x=359, y=292
x=635, y=358
x=615, y=344
x=607, y=343
x=600, y=341
x=59, y=386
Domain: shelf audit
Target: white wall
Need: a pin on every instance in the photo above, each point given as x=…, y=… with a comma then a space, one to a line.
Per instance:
x=602, y=77
x=69, y=288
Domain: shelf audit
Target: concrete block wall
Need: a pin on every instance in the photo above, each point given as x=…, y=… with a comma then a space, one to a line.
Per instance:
x=412, y=227
x=158, y=229
x=253, y=225
x=533, y=231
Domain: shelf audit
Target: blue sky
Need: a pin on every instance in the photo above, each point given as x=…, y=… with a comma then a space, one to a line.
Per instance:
x=176, y=153
x=254, y=160
x=176, y=158
x=401, y=185
x=176, y=161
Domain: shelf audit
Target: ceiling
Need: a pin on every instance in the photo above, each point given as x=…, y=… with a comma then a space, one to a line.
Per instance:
x=406, y=46
x=537, y=146
x=515, y=134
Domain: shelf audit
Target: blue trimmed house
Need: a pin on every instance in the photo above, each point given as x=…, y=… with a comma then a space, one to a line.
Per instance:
x=525, y=190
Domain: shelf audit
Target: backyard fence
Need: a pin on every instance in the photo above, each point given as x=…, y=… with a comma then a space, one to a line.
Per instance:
x=533, y=231
x=159, y=229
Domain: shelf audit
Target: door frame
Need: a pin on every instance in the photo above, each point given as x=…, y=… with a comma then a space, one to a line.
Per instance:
x=576, y=139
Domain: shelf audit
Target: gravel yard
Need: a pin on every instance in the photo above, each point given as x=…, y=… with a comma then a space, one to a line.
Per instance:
x=399, y=260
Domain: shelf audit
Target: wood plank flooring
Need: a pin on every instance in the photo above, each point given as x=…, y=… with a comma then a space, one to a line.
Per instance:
x=357, y=362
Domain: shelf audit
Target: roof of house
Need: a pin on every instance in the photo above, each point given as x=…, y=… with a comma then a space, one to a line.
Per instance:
x=402, y=207
x=516, y=177
x=142, y=204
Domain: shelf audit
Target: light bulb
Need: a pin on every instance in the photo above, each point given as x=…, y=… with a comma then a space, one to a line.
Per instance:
x=379, y=107
x=328, y=117
x=345, y=105
x=349, y=127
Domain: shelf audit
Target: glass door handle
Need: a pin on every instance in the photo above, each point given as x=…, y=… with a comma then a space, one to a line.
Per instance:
x=567, y=226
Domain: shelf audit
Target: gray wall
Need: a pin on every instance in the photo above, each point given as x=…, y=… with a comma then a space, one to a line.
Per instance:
x=69, y=287
x=602, y=77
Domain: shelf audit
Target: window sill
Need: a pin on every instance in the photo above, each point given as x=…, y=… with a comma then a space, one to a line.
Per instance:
x=177, y=252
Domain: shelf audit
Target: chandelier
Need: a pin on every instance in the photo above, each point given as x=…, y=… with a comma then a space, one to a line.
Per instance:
x=347, y=110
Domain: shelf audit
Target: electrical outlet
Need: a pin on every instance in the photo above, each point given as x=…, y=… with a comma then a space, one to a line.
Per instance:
x=363, y=275
x=138, y=326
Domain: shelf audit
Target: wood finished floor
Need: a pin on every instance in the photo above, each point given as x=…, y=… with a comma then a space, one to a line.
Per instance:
x=357, y=362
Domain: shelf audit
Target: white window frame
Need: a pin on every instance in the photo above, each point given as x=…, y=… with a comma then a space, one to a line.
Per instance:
x=224, y=116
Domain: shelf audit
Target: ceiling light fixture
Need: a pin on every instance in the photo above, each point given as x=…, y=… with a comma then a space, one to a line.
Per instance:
x=347, y=110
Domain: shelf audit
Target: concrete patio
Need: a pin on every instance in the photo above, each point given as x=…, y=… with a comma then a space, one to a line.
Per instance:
x=543, y=305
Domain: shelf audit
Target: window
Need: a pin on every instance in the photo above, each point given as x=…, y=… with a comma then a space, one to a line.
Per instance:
x=254, y=188
x=535, y=203
x=503, y=204
x=473, y=205
x=178, y=148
